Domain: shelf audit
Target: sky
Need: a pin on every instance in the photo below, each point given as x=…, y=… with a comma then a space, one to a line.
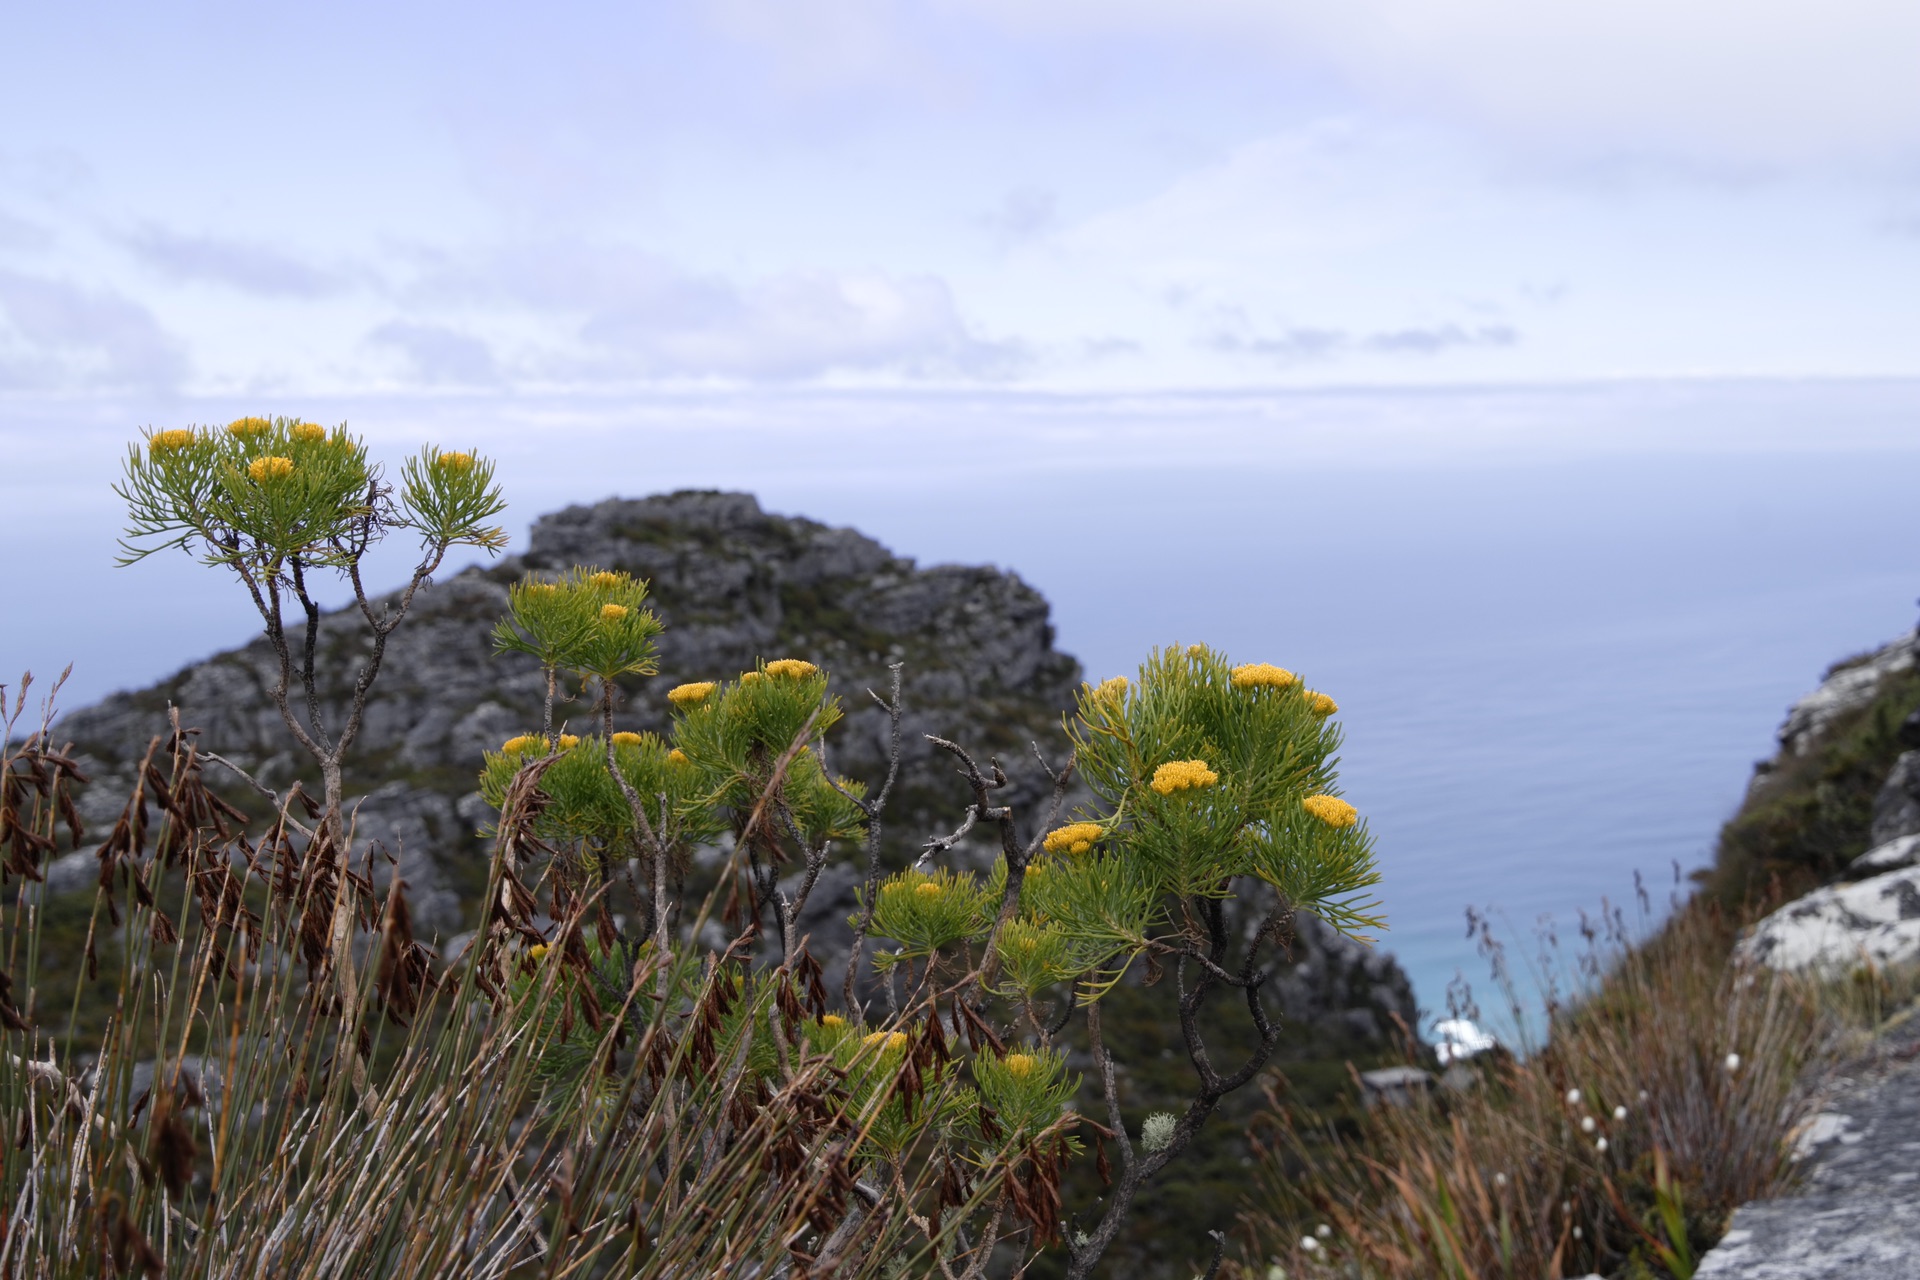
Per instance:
x=254, y=202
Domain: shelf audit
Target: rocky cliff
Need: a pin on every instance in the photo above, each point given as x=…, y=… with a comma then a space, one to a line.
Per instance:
x=732, y=583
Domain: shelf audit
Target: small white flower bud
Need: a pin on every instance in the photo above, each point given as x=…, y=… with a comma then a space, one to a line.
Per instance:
x=1309, y=1244
x=1644, y=1095
x=1573, y=1097
x=1586, y=1124
x=1577, y=1233
x=1619, y=1113
x=1499, y=1179
x=1600, y=1145
x=1733, y=1063
x=1324, y=1231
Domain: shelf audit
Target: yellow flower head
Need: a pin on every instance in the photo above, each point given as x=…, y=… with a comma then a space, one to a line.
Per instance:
x=309, y=432
x=568, y=742
x=1196, y=651
x=1075, y=837
x=1332, y=810
x=749, y=677
x=613, y=612
x=1018, y=1065
x=1263, y=675
x=246, y=427
x=167, y=441
x=1112, y=690
x=604, y=580
x=832, y=1020
x=677, y=756
x=690, y=695
x=525, y=742
x=929, y=889
x=887, y=1041
x=626, y=739
x=792, y=668
x=1183, y=775
x=1321, y=705
x=272, y=468
x=542, y=589
x=537, y=950
x=460, y=463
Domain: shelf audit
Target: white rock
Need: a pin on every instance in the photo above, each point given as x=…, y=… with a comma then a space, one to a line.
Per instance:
x=1458, y=1038
x=1842, y=692
x=1901, y=852
x=1834, y=930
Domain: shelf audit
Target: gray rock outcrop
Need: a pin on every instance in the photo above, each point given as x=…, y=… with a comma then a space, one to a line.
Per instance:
x=1856, y=1213
x=1896, y=810
x=1848, y=687
x=733, y=584
x=1842, y=927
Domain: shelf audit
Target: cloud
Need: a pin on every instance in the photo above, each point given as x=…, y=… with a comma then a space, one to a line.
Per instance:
x=1026, y=213
x=18, y=233
x=237, y=264
x=1310, y=345
x=629, y=314
x=1724, y=81
x=438, y=355
x=59, y=335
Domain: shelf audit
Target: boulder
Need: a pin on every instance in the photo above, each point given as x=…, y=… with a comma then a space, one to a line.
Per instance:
x=1848, y=687
x=1838, y=928
x=1902, y=851
x=1896, y=809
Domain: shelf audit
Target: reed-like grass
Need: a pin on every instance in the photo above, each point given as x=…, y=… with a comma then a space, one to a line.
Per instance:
x=269, y=1098
x=1666, y=1092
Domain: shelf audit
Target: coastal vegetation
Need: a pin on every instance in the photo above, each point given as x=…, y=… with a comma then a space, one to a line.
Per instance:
x=633, y=1064
x=1672, y=1082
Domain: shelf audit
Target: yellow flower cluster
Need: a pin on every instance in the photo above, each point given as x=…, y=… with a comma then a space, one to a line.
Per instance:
x=689, y=695
x=887, y=1041
x=1018, y=1065
x=1183, y=775
x=832, y=1020
x=791, y=668
x=309, y=433
x=1263, y=675
x=929, y=889
x=537, y=951
x=456, y=462
x=542, y=589
x=613, y=612
x=626, y=739
x=604, y=580
x=1196, y=651
x=1075, y=837
x=568, y=742
x=525, y=742
x=167, y=441
x=1321, y=705
x=749, y=677
x=1332, y=810
x=244, y=427
x=270, y=468
x=677, y=756
x=1112, y=690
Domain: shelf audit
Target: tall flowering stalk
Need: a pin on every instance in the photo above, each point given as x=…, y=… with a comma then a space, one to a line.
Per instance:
x=274, y=501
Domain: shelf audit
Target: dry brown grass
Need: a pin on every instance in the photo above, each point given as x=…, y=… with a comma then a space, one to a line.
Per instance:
x=1619, y=1146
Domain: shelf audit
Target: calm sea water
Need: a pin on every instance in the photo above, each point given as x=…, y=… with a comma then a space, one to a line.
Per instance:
x=1555, y=665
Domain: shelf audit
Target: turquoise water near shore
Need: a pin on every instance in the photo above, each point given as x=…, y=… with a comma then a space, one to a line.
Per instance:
x=1555, y=666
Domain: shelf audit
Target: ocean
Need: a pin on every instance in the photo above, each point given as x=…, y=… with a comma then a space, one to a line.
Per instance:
x=1561, y=624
